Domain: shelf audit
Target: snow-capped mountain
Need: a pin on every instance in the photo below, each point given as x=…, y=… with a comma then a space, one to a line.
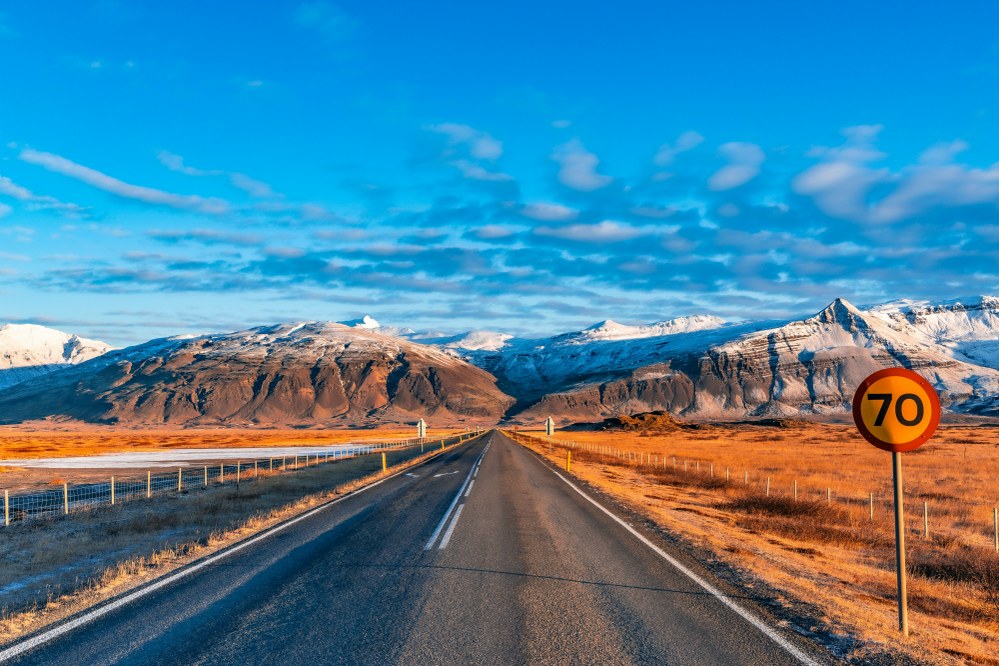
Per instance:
x=28, y=351
x=810, y=366
x=359, y=371
x=288, y=374
x=529, y=369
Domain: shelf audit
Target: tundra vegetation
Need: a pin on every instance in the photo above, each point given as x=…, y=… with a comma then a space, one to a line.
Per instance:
x=820, y=555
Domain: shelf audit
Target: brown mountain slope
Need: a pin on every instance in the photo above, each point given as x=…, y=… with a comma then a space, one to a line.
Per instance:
x=289, y=375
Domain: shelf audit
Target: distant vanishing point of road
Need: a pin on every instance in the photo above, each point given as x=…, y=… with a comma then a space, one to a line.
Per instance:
x=484, y=555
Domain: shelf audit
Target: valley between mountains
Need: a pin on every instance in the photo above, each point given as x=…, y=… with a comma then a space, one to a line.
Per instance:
x=359, y=372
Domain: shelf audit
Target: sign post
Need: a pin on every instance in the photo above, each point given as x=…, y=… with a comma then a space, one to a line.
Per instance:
x=897, y=410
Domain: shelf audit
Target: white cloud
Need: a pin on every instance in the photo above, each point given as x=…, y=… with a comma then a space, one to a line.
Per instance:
x=668, y=151
x=101, y=181
x=480, y=145
x=839, y=188
x=578, y=167
x=255, y=188
x=473, y=171
x=842, y=183
x=839, y=184
x=744, y=161
x=5, y=210
x=942, y=153
x=607, y=231
x=922, y=188
x=466, y=147
x=561, y=124
x=11, y=189
x=491, y=231
x=548, y=212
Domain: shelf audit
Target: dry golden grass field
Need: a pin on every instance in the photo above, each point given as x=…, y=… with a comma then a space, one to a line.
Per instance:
x=18, y=442
x=51, y=568
x=822, y=549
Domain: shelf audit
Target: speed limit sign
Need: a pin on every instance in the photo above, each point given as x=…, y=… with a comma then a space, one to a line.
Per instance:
x=896, y=410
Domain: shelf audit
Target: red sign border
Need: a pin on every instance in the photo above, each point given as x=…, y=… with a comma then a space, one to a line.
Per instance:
x=905, y=446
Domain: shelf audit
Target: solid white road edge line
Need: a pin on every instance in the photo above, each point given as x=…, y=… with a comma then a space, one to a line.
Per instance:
x=454, y=502
x=708, y=587
x=450, y=529
x=20, y=648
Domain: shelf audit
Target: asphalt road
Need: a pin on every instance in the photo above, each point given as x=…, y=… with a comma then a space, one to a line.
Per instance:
x=453, y=563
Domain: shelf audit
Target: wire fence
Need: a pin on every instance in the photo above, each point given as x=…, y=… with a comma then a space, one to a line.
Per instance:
x=726, y=476
x=73, y=497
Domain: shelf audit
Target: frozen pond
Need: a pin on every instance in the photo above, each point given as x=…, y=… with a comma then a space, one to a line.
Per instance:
x=179, y=457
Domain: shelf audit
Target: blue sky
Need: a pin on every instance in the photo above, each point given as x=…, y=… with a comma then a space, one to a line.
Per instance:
x=186, y=166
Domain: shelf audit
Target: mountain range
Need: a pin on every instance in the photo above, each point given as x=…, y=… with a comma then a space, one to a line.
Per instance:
x=359, y=372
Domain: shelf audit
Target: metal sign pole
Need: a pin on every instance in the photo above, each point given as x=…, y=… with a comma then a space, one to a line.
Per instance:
x=903, y=606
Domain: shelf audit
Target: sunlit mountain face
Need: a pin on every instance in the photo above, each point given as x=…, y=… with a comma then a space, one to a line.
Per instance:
x=361, y=372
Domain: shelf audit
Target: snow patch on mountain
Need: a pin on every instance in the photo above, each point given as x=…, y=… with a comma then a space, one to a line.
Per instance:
x=967, y=327
x=369, y=323
x=28, y=351
x=612, y=330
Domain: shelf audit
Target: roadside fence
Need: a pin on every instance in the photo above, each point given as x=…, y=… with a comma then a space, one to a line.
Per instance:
x=729, y=477
x=73, y=497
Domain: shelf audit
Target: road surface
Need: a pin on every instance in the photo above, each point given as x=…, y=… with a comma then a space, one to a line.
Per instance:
x=497, y=563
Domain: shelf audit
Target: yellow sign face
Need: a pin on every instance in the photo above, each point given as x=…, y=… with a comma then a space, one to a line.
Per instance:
x=896, y=410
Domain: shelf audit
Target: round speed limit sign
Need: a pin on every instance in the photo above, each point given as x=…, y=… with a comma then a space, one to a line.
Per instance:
x=896, y=410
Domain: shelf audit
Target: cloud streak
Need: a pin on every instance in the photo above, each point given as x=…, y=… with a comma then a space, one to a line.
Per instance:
x=607, y=231
x=11, y=189
x=255, y=188
x=111, y=185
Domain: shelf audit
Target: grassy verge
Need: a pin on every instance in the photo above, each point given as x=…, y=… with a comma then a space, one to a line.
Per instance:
x=827, y=564
x=51, y=569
